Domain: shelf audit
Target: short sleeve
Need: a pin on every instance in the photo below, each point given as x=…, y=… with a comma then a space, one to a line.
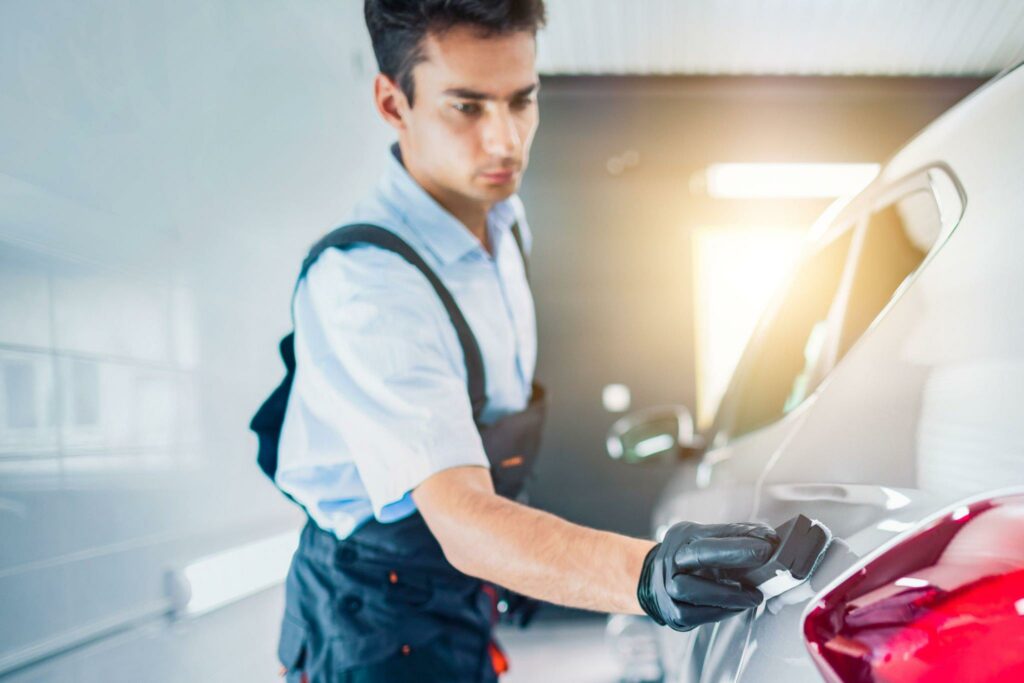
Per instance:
x=378, y=360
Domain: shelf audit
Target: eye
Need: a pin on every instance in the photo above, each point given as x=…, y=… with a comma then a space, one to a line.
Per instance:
x=468, y=108
x=523, y=103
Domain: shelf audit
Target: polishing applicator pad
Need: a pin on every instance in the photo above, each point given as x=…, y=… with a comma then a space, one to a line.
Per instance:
x=802, y=545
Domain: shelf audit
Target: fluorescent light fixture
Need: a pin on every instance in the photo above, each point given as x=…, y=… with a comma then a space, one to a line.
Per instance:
x=217, y=580
x=747, y=181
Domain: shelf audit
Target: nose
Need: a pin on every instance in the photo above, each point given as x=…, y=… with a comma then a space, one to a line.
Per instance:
x=500, y=135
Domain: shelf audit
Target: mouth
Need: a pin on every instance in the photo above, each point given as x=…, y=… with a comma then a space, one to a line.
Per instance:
x=499, y=176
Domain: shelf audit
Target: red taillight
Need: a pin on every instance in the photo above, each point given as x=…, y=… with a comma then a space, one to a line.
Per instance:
x=945, y=604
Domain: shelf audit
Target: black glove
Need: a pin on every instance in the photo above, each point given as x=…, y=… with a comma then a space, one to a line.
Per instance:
x=687, y=579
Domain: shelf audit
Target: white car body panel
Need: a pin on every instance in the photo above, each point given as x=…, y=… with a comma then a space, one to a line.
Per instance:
x=925, y=409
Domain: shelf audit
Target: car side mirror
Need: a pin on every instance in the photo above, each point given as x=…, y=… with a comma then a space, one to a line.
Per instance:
x=652, y=433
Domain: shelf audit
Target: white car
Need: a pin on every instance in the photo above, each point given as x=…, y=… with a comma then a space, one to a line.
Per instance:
x=881, y=394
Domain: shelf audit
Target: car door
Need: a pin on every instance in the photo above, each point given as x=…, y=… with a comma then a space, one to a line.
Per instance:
x=902, y=228
x=778, y=371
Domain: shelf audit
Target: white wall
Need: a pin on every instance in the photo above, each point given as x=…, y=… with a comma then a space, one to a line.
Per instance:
x=163, y=167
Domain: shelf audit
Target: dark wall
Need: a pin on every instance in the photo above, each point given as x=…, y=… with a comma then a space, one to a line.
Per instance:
x=611, y=269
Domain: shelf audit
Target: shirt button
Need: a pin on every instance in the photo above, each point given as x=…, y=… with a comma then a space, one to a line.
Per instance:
x=347, y=555
x=406, y=649
x=352, y=603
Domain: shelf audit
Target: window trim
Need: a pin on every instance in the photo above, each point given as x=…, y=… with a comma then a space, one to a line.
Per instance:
x=920, y=180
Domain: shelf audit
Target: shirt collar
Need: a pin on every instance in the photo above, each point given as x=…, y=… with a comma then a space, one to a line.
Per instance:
x=444, y=234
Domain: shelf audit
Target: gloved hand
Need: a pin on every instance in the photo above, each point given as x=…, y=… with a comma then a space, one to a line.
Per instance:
x=685, y=580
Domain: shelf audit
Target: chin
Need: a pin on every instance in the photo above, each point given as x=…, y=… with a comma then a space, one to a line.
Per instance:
x=496, y=193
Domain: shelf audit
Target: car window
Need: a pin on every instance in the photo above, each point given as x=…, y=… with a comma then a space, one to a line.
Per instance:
x=895, y=241
x=837, y=293
x=782, y=364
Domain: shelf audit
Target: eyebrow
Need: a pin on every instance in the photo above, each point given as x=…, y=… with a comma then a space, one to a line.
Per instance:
x=467, y=94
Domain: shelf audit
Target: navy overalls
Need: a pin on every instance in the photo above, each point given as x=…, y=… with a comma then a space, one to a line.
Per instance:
x=384, y=604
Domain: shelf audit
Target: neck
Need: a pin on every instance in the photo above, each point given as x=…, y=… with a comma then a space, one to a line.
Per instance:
x=472, y=214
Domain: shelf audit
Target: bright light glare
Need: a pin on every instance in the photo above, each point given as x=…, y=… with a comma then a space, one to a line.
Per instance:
x=894, y=525
x=911, y=582
x=960, y=513
x=736, y=271
x=223, y=578
x=894, y=500
x=616, y=398
x=738, y=181
x=654, y=444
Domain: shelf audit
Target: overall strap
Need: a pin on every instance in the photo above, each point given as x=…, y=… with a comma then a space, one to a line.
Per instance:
x=518, y=235
x=363, y=233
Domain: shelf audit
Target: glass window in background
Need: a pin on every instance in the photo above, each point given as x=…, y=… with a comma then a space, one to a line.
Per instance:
x=786, y=358
x=736, y=271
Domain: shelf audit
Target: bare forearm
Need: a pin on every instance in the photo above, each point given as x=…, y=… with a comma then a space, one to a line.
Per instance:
x=538, y=554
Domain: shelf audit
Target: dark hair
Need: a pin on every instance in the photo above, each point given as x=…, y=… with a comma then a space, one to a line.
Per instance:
x=397, y=28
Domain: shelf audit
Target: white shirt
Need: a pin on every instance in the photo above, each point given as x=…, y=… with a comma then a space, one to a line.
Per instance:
x=379, y=401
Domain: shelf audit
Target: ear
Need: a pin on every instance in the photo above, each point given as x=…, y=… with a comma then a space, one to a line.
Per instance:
x=391, y=101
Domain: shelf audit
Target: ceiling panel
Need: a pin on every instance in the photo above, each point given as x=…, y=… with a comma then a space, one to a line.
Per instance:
x=792, y=37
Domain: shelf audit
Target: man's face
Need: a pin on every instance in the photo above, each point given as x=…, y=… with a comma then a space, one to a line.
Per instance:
x=474, y=115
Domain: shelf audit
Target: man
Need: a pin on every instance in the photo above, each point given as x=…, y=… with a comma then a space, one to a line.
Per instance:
x=413, y=418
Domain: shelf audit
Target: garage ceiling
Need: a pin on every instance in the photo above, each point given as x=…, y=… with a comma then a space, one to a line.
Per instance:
x=793, y=37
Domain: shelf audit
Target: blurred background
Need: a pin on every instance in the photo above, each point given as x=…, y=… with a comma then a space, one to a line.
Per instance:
x=165, y=166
